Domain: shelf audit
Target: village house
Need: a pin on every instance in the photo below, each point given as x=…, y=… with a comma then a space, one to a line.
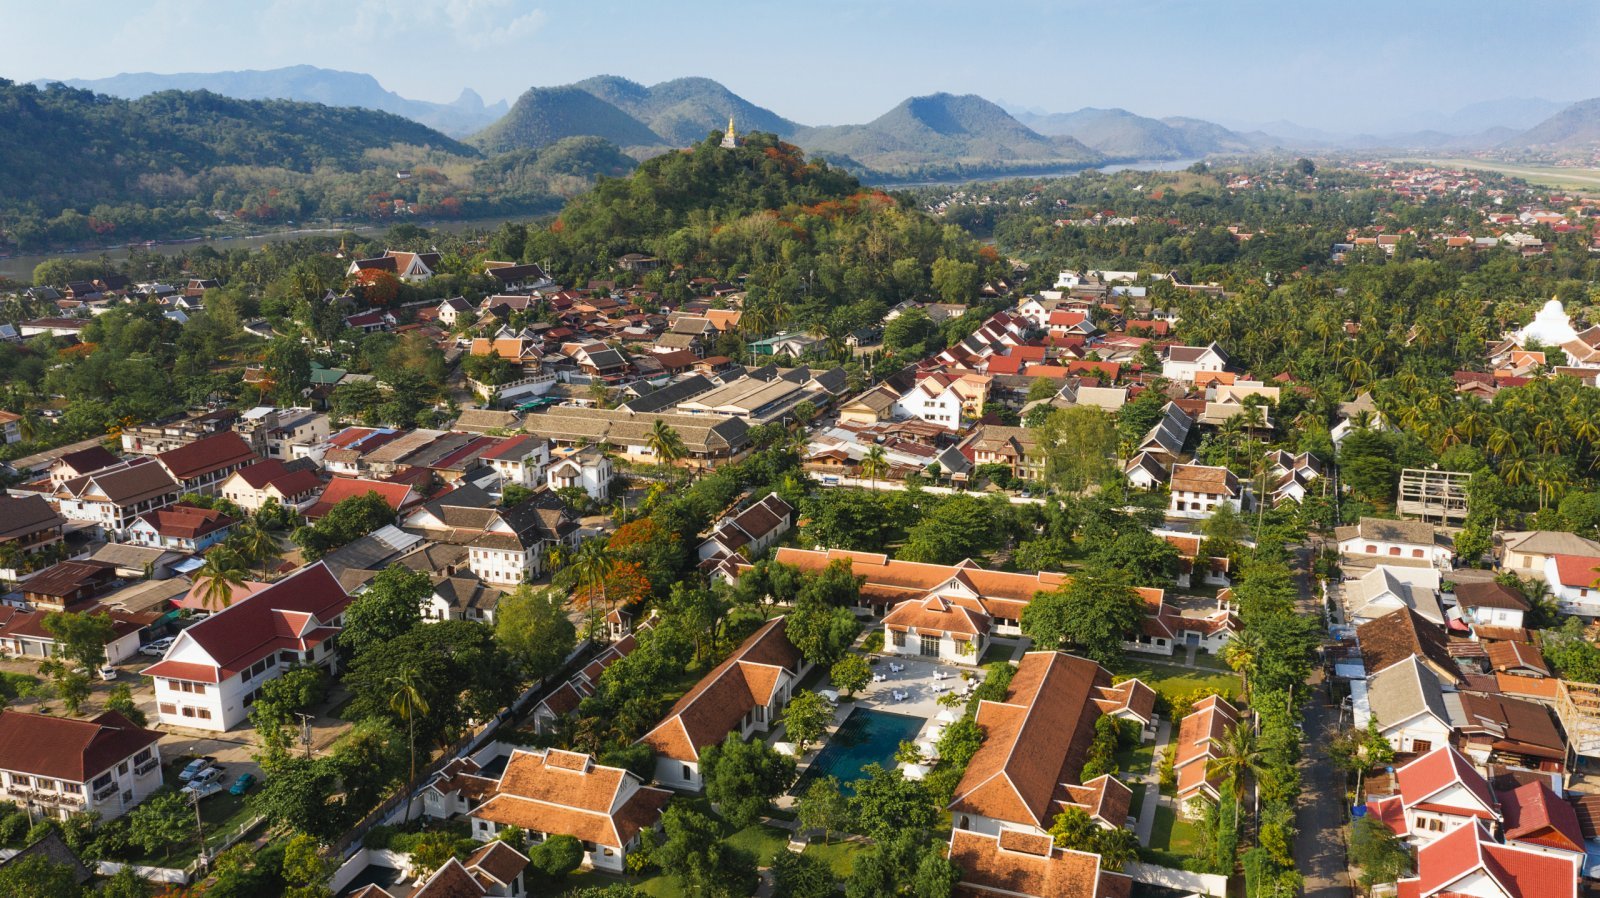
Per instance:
x=585, y=468
x=1387, y=588
x=283, y=433
x=1183, y=363
x=743, y=695
x=215, y=669
x=496, y=870
x=181, y=527
x=1198, y=490
x=1438, y=793
x=1028, y=769
x=505, y=546
x=1409, y=701
x=1398, y=635
x=565, y=793
x=201, y=466
x=10, y=428
x=750, y=532
x=1200, y=735
x=253, y=486
x=111, y=498
x=408, y=267
x=56, y=766
x=1489, y=604
x=1414, y=540
x=511, y=277
x=711, y=440
x=28, y=526
x=520, y=460
x=1526, y=551
x=1016, y=448
x=1574, y=582
x=401, y=497
x=156, y=437
x=67, y=585
x=461, y=598
x=1469, y=861
x=1018, y=864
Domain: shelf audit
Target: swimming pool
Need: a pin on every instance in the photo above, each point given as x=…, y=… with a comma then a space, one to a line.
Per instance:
x=865, y=737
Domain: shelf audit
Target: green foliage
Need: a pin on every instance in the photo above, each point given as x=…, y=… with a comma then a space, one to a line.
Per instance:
x=886, y=804
x=557, y=856
x=37, y=876
x=120, y=700
x=1381, y=855
x=806, y=718
x=1101, y=758
x=456, y=665
x=1095, y=611
x=391, y=606
x=850, y=674
x=958, y=527
x=801, y=876
x=533, y=628
x=161, y=822
x=694, y=852
x=346, y=522
x=1571, y=653
x=1073, y=829
x=81, y=637
x=822, y=632
x=299, y=796
x=864, y=520
x=742, y=778
x=823, y=806
x=1079, y=444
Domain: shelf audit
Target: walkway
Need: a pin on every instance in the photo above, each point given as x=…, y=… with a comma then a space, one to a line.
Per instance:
x=1319, y=846
x=1152, y=784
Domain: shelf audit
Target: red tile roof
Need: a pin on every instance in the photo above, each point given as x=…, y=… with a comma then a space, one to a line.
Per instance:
x=1578, y=570
x=566, y=792
x=73, y=750
x=397, y=495
x=207, y=455
x=1536, y=815
x=185, y=521
x=1424, y=778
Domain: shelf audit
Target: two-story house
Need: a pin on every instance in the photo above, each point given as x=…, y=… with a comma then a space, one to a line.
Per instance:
x=505, y=546
x=111, y=498
x=742, y=695
x=253, y=486
x=750, y=532
x=1574, y=582
x=1437, y=794
x=1199, y=490
x=56, y=766
x=1015, y=447
x=213, y=671
x=1200, y=737
x=934, y=399
x=586, y=468
x=201, y=466
x=1182, y=363
x=28, y=526
x=521, y=460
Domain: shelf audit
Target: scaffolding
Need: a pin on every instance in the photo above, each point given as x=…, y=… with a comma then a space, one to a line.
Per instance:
x=1578, y=706
x=1433, y=495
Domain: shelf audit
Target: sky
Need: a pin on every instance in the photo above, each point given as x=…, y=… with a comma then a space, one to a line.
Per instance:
x=1349, y=66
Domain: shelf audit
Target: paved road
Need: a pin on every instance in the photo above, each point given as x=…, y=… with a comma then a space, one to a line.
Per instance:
x=1319, y=846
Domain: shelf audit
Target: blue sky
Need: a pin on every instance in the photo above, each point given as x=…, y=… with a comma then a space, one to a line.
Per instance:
x=1351, y=65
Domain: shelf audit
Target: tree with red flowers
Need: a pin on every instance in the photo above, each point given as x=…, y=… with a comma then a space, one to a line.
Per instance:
x=378, y=287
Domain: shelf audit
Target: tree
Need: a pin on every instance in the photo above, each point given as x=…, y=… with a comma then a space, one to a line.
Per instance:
x=347, y=521
x=218, y=576
x=257, y=544
x=36, y=876
x=390, y=607
x=1381, y=855
x=693, y=851
x=665, y=443
x=1236, y=757
x=910, y=332
x=532, y=626
x=822, y=633
x=1079, y=445
x=875, y=464
x=1097, y=610
x=557, y=856
x=742, y=778
x=590, y=569
x=304, y=868
x=297, y=796
x=936, y=875
x=456, y=665
x=823, y=806
x=850, y=674
x=370, y=757
x=801, y=876
x=806, y=719
x=123, y=884
x=81, y=637
x=161, y=822
x=121, y=701
x=887, y=804
x=72, y=687
x=408, y=703
x=1075, y=830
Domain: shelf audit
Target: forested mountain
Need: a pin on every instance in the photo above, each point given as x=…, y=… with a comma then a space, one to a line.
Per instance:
x=944, y=133
x=1123, y=135
x=85, y=167
x=684, y=110
x=544, y=115
x=1575, y=127
x=308, y=84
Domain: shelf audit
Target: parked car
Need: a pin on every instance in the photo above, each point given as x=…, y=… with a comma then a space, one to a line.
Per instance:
x=158, y=648
x=107, y=673
x=194, y=767
x=203, y=790
x=242, y=784
x=208, y=775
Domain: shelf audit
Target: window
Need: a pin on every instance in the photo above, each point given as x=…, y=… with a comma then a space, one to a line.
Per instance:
x=688, y=774
x=1416, y=553
x=102, y=780
x=899, y=639
x=1421, y=746
x=1394, y=550
x=930, y=646
x=1371, y=549
x=167, y=708
x=202, y=713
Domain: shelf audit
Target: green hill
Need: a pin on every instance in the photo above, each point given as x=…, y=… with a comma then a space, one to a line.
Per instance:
x=944, y=133
x=1576, y=127
x=63, y=146
x=1117, y=133
x=684, y=110
x=544, y=115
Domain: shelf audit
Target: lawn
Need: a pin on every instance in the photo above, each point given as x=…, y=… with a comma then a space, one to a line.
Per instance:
x=1173, y=681
x=1171, y=840
x=997, y=651
x=762, y=841
x=220, y=814
x=840, y=856
x=1136, y=759
x=657, y=886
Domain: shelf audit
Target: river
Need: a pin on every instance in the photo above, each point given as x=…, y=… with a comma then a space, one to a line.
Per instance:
x=20, y=268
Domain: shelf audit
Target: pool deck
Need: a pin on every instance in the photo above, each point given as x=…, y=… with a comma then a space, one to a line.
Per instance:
x=922, y=700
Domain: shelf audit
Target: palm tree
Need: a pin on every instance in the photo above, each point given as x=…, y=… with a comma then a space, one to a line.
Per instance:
x=665, y=442
x=222, y=571
x=1243, y=654
x=875, y=464
x=408, y=701
x=1236, y=757
x=258, y=545
x=590, y=568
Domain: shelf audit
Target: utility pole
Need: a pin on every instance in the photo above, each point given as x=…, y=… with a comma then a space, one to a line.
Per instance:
x=199, y=828
x=305, y=731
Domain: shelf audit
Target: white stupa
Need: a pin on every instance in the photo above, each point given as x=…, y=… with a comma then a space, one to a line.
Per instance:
x=1551, y=326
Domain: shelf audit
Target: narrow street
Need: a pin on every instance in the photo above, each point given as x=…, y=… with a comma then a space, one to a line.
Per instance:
x=1319, y=845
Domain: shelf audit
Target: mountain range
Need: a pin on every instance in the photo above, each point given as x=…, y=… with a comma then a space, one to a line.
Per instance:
x=936, y=135
x=307, y=84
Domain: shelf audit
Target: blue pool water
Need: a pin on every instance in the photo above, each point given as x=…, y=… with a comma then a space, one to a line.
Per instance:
x=864, y=738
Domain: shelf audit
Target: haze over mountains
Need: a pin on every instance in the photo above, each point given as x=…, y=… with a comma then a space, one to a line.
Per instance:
x=937, y=135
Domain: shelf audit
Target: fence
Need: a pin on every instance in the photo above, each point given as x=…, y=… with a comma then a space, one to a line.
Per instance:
x=151, y=874
x=1182, y=880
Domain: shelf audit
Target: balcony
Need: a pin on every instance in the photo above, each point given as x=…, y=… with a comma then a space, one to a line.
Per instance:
x=106, y=792
x=146, y=767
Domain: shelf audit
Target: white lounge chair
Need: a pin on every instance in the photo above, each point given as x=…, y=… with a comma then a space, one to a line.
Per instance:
x=941, y=675
x=896, y=668
x=879, y=678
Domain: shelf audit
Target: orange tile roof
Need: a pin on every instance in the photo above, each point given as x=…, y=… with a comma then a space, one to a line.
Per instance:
x=1017, y=863
x=566, y=792
x=1211, y=719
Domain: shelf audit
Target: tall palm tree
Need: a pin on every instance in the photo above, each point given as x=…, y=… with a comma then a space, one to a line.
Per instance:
x=665, y=442
x=258, y=546
x=1243, y=654
x=590, y=568
x=407, y=700
x=875, y=464
x=222, y=571
x=1237, y=756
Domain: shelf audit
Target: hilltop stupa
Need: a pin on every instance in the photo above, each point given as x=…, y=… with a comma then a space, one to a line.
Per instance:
x=1551, y=327
x=730, y=137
